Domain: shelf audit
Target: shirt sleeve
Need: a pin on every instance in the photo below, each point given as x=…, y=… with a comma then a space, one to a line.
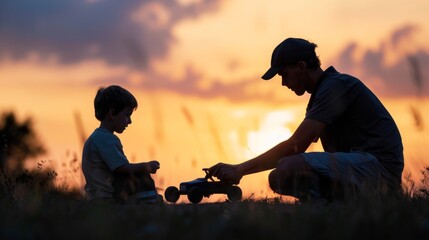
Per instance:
x=111, y=151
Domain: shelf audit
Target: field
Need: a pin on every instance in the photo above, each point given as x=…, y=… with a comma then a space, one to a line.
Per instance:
x=32, y=208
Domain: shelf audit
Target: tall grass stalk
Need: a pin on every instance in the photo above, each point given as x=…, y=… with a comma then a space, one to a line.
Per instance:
x=190, y=120
x=214, y=131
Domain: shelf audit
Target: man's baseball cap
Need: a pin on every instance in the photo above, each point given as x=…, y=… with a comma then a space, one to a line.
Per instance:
x=290, y=51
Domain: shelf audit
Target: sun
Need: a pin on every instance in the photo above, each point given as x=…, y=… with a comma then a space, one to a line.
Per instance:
x=272, y=130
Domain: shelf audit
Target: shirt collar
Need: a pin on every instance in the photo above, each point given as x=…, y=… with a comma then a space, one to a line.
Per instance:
x=326, y=74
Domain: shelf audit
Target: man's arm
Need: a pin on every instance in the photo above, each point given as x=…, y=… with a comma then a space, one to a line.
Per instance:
x=306, y=133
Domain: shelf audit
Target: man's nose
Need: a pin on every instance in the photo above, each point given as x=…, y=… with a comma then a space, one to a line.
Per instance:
x=284, y=82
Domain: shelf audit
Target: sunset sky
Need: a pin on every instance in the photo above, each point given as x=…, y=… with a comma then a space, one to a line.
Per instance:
x=195, y=68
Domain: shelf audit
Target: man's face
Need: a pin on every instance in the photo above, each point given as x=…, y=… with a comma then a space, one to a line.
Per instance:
x=293, y=77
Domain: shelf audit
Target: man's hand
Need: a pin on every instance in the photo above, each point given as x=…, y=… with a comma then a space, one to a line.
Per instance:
x=225, y=172
x=152, y=166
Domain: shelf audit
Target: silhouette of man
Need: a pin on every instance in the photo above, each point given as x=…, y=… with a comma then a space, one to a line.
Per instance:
x=362, y=144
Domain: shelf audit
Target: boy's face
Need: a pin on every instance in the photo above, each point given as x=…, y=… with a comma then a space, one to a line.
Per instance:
x=121, y=120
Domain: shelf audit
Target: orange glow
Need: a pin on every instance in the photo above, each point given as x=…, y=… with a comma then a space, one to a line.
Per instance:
x=272, y=131
x=187, y=127
x=187, y=134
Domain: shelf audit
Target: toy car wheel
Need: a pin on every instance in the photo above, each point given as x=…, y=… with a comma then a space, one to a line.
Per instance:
x=195, y=195
x=234, y=194
x=172, y=194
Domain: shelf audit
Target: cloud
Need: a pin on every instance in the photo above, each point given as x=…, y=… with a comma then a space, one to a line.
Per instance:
x=403, y=34
x=391, y=79
x=120, y=32
x=241, y=90
x=135, y=32
x=394, y=78
x=128, y=32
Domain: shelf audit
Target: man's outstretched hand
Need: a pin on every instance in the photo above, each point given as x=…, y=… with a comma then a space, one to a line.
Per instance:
x=225, y=172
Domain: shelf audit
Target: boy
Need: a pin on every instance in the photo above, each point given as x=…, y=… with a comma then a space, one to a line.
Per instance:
x=109, y=175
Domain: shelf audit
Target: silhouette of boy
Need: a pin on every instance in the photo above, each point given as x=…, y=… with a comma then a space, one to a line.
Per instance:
x=109, y=176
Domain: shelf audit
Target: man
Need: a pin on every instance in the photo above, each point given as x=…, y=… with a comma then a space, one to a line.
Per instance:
x=363, y=146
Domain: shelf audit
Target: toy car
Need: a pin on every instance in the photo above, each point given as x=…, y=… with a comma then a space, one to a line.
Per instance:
x=202, y=187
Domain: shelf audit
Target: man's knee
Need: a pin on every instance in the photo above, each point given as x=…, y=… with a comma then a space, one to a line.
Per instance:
x=279, y=183
x=291, y=165
x=280, y=178
x=273, y=181
x=291, y=175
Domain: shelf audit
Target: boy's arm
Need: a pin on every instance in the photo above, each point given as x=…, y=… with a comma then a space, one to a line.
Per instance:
x=149, y=167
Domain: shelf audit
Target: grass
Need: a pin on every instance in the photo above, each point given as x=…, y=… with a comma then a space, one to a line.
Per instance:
x=31, y=207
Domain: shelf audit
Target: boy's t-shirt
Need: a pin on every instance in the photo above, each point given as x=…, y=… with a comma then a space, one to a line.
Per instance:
x=102, y=155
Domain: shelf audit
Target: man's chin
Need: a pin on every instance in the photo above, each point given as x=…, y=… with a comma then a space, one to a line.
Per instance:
x=299, y=93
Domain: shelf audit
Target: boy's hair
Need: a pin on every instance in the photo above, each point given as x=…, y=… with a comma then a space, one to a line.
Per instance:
x=113, y=97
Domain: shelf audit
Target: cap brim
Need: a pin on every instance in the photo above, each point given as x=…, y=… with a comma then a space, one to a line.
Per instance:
x=270, y=73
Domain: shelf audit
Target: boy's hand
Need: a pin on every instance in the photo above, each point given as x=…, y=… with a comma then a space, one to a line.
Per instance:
x=152, y=166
